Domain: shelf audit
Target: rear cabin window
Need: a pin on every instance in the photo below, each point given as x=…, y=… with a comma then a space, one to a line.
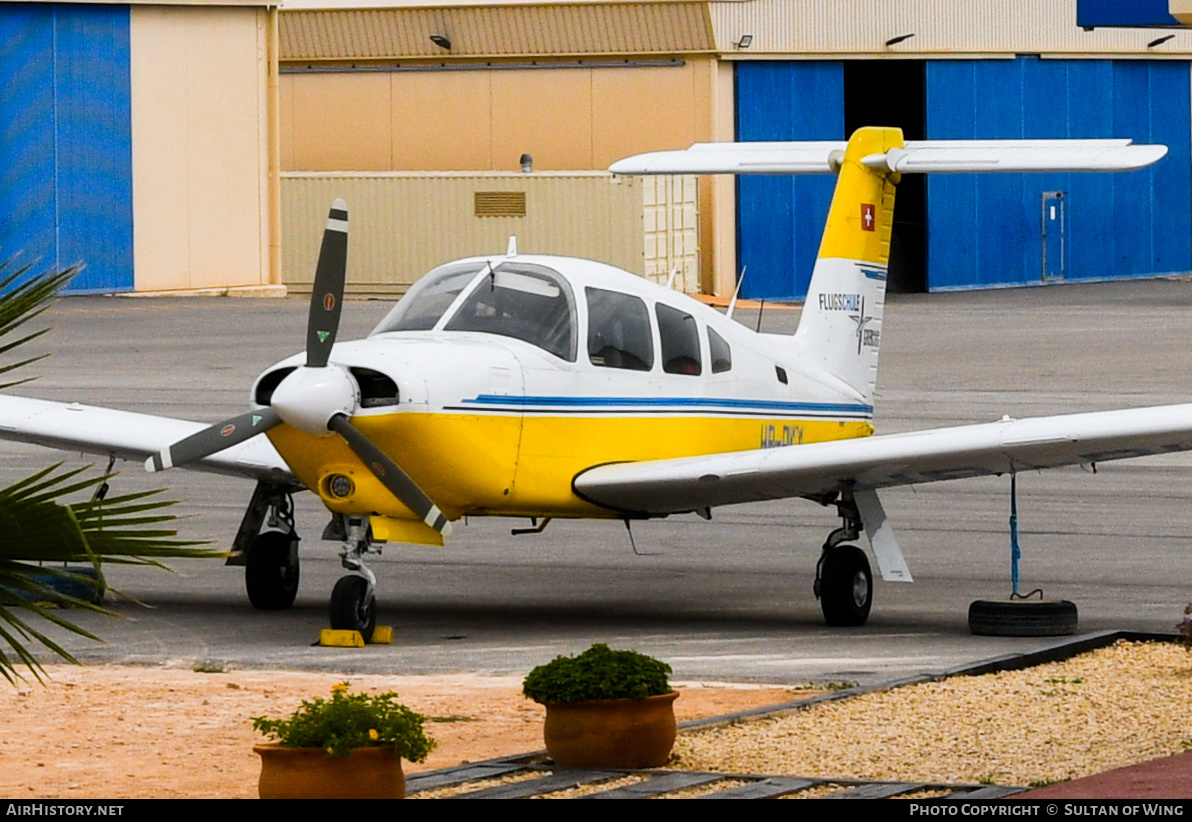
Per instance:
x=527, y=302
x=721, y=354
x=680, y=341
x=618, y=331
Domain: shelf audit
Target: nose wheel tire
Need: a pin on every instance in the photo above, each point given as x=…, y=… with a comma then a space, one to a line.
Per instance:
x=353, y=608
x=271, y=571
x=845, y=586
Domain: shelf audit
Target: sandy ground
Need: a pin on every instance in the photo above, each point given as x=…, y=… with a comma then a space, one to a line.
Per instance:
x=117, y=732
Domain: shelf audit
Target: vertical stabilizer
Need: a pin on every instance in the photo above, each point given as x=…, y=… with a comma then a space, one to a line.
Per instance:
x=841, y=326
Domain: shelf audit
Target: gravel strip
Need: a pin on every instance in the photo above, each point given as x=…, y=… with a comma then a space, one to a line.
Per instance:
x=1102, y=710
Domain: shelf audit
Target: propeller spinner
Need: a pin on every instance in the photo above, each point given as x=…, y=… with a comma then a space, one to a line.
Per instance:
x=318, y=398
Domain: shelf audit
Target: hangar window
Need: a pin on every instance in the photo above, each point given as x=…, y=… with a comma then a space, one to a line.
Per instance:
x=527, y=302
x=680, y=341
x=619, y=331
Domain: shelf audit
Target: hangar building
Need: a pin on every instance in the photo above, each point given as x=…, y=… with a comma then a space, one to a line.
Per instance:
x=423, y=87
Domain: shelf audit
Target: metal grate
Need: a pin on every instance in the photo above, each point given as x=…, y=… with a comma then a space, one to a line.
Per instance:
x=500, y=203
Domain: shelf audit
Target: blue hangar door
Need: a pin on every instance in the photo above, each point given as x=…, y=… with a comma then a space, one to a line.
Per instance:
x=66, y=141
x=974, y=231
x=1016, y=229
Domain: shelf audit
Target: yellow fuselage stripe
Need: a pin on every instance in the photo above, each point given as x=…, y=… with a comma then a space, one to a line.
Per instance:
x=510, y=465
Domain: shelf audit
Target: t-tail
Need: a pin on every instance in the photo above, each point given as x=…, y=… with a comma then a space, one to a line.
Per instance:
x=841, y=327
x=840, y=330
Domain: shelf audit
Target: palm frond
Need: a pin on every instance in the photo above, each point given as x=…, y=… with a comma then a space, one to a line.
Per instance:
x=39, y=525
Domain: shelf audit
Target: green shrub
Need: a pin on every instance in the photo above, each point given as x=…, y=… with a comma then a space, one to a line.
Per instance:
x=597, y=673
x=348, y=721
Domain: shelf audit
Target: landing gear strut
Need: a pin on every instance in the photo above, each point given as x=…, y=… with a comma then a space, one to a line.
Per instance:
x=270, y=558
x=353, y=600
x=843, y=579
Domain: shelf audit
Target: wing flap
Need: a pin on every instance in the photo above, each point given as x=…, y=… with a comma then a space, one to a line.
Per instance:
x=128, y=435
x=689, y=483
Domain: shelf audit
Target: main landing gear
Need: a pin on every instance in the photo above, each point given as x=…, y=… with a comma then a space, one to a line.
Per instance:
x=270, y=558
x=353, y=600
x=843, y=579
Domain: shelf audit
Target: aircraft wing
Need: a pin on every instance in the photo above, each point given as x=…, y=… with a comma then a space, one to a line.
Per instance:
x=127, y=435
x=691, y=483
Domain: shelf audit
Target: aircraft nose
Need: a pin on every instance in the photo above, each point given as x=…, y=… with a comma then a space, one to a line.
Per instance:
x=309, y=397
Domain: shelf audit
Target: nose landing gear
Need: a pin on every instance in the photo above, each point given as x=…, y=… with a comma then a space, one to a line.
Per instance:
x=353, y=600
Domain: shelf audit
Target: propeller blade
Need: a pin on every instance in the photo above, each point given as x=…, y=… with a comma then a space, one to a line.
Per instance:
x=214, y=439
x=327, y=293
x=390, y=475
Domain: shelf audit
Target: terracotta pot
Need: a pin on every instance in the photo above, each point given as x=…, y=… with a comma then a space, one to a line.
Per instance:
x=612, y=733
x=311, y=773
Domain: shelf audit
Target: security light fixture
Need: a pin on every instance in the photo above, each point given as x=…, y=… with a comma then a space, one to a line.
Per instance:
x=893, y=41
x=745, y=41
x=441, y=40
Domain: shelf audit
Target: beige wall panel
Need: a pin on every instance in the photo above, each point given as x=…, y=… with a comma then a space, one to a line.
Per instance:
x=287, y=85
x=948, y=28
x=442, y=121
x=633, y=106
x=338, y=121
x=402, y=225
x=547, y=113
x=199, y=147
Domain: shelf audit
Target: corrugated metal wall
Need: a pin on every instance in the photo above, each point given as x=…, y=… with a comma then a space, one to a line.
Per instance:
x=780, y=219
x=65, y=133
x=404, y=224
x=986, y=230
x=551, y=29
x=942, y=28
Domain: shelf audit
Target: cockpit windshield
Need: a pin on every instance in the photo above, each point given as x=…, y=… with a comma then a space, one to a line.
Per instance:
x=528, y=302
x=515, y=299
x=423, y=305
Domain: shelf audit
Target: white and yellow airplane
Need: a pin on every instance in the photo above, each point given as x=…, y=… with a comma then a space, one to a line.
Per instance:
x=541, y=387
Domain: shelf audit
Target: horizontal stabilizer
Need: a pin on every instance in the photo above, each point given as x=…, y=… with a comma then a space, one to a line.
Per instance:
x=916, y=157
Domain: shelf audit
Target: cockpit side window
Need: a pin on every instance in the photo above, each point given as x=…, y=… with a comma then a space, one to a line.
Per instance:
x=721, y=354
x=428, y=298
x=527, y=302
x=619, y=331
x=680, y=341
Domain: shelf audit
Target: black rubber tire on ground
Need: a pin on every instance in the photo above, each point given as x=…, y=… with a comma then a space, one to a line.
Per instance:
x=846, y=587
x=271, y=572
x=1022, y=617
x=349, y=609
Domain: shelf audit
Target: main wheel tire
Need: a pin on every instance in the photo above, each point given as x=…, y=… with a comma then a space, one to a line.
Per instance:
x=271, y=572
x=846, y=586
x=1022, y=617
x=352, y=609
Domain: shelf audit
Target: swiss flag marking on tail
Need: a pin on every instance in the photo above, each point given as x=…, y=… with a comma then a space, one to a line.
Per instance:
x=868, y=216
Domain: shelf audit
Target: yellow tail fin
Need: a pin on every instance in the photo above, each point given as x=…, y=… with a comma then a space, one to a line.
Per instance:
x=862, y=213
x=841, y=326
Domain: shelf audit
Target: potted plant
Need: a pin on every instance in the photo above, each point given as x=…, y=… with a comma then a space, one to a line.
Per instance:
x=349, y=746
x=605, y=708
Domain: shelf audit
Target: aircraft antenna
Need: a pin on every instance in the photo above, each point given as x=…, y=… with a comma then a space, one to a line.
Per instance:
x=632, y=542
x=670, y=281
x=733, y=302
x=760, y=308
